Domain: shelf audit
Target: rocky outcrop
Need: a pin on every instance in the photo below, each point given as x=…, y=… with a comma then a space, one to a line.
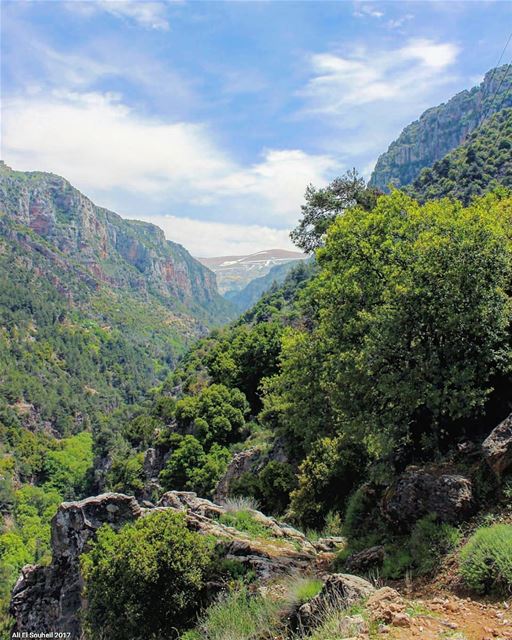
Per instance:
x=497, y=447
x=49, y=598
x=441, y=129
x=340, y=591
x=364, y=560
x=112, y=250
x=241, y=463
x=418, y=493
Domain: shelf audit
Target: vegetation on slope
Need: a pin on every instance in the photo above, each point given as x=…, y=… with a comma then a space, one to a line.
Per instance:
x=482, y=163
x=441, y=129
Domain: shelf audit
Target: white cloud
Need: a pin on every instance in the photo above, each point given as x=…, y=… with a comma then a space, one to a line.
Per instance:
x=102, y=146
x=372, y=76
x=208, y=239
x=367, y=96
x=147, y=14
x=363, y=10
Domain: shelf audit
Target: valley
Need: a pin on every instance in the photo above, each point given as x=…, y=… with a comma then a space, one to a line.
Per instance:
x=286, y=445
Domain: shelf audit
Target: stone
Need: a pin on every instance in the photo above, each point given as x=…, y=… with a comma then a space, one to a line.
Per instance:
x=417, y=493
x=241, y=463
x=366, y=559
x=497, y=447
x=384, y=605
x=340, y=590
x=48, y=598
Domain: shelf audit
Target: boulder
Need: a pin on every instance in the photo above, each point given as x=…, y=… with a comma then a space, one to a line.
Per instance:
x=48, y=599
x=340, y=591
x=384, y=605
x=241, y=463
x=365, y=559
x=497, y=447
x=418, y=493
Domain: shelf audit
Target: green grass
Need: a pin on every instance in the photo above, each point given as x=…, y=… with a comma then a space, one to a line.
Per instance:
x=301, y=590
x=246, y=522
x=238, y=616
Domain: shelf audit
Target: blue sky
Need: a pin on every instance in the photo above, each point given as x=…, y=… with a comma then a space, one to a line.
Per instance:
x=210, y=118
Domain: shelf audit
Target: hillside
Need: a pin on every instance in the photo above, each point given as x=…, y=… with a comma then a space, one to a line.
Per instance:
x=441, y=129
x=93, y=307
x=484, y=161
x=235, y=272
x=250, y=294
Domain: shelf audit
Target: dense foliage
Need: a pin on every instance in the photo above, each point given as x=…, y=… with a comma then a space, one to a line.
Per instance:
x=145, y=581
x=486, y=560
x=484, y=161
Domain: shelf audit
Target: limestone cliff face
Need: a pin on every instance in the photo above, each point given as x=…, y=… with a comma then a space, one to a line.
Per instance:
x=441, y=129
x=115, y=251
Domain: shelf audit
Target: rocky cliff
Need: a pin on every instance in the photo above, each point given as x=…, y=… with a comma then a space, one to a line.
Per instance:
x=49, y=598
x=119, y=253
x=442, y=128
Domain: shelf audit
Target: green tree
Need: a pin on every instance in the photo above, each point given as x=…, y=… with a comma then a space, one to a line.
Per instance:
x=325, y=204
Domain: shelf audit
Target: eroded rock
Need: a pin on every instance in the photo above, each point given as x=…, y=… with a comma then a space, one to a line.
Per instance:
x=418, y=493
x=497, y=447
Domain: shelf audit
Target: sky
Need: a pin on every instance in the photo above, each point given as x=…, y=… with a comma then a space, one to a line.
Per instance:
x=209, y=119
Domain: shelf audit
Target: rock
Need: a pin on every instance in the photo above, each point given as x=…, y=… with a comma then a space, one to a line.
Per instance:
x=497, y=447
x=49, y=598
x=384, y=605
x=418, y=493
x=365, y=559
x=401, y=620
x=241, y=463
x=340, y=590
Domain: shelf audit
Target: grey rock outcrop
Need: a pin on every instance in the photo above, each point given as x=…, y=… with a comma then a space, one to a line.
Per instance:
x=340, y=590
x=48, y=598
x=418, y=493
x=241, y=463
x=497, y=447
x=366, y=559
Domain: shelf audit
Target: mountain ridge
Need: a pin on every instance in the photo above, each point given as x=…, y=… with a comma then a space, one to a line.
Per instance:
x=442, y=128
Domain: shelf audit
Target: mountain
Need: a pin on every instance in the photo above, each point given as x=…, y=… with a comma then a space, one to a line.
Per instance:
x=442, y=128
x=252, y=292
x=235, y=272
x=93, y=308
x=481, y=163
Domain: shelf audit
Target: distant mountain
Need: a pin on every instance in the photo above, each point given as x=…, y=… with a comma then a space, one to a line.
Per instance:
x=253, y=291
x=481, y=163
x=235, y=272
x=93, y=308
x=442, y=128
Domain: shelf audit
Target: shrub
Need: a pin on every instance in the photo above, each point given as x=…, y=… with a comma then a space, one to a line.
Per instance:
x=486, y=560
x=145, y=581
x=430, y=541
x=326, y=478
x=239, y=615
x=362, y=525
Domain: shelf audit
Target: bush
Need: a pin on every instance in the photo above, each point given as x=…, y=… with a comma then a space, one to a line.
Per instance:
x=430, y=541
x=486, y=560
x=145, y=581
x=326, y=478
x=239, y=615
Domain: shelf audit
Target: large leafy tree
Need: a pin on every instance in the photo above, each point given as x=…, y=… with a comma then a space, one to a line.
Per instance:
x=410, y=322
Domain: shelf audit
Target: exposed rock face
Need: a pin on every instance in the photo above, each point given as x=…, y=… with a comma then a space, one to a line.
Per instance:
x=441, y=129
x=49, y=598
x=365, y=559
x=115, y=251
x=340, y=590
x=497, y=447
x=418, y=493
x=241, y=463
